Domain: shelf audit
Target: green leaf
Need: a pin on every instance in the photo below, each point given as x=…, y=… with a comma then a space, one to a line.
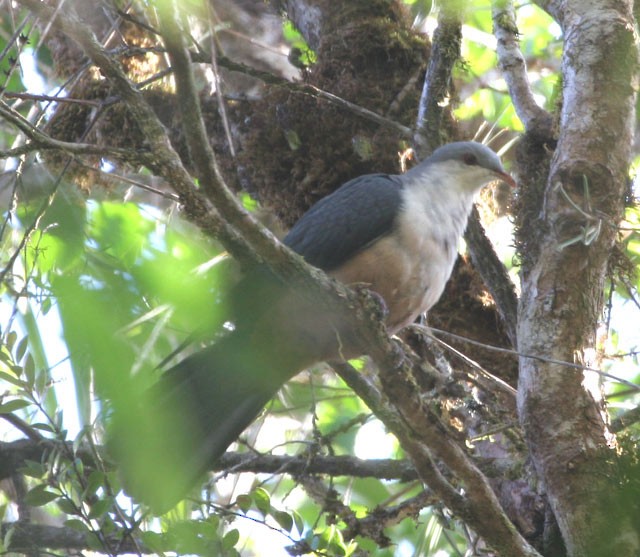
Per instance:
x=39, y=496
x=302, y=54
x=230, y=539
x=77, y=525
x=82, y=435
x=244, y=502
x=30, y=371
x=67, y=506
x=78, y=466
x=10, y=378
x=5, y=357
x=248, y=202
x=121, y=229
x=6, y=542
x=11, y=340
x=284, y=519
x=33, y=469
x=293, y=139
x=44, y=427
x=299, y=521
x=262, y=500
x=155, y=541
x=95, y=481
x=13, y=405
x=22, y=348
x=100, y=507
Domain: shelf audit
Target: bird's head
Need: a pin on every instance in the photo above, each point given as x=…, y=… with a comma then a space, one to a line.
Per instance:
x=472, y=164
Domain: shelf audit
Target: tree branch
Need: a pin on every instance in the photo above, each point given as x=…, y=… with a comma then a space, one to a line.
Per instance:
x=42, y=141
x=536, y=120
x=445, y=52
x=493, y=274
x=158, y=153
x=28, y=538
x=430, y=439
x=425, y=438
x=306, y=89
x=14, y=454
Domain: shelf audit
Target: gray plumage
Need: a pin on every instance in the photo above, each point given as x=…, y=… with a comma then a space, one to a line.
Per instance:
x=347, y=221
x=398, y=234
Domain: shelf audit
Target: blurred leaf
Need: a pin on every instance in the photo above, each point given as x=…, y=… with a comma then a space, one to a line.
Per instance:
x=39, y=496
x=67, y=506
x=433, y=533
x=284, y=519
x=77, y=525
x=248, y=202
x=58, y=242
x=299, y=521
x=155, y=541
x=262, y=500
x=96, y=480
x=10, y=341
x=22, y=348
x=120, y=230
x=29, y=371
x=33, y=469
x=13, y=406
x=100, y=508
x=244, y=502
x=11, y=378
x=230, y=539
x=43, y=427
x=301, y=55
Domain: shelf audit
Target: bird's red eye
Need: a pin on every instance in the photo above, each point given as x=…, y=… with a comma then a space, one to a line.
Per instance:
x=469, y=158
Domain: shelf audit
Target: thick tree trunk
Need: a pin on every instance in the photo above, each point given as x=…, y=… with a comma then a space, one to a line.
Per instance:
x=564, y=276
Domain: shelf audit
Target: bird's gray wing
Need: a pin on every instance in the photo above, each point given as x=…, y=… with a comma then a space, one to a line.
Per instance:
x=348, y=220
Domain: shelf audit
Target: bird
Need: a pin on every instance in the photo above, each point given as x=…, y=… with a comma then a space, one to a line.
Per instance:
x=397, y=235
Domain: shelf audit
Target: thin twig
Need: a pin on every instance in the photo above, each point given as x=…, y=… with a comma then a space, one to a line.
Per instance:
x=49, y=98
x=629, y=384
x=496, y=381
x=222, y=108
x=114, y=175
x=42, y=141
x=629, y=418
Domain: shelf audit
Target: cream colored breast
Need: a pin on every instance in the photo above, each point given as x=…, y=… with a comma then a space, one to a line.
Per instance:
x=410, y=267
x=408, y=283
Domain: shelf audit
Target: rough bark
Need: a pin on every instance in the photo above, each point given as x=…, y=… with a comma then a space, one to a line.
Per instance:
x=562, y=287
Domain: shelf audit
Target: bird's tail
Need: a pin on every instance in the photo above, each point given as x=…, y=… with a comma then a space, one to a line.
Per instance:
x=194, y=412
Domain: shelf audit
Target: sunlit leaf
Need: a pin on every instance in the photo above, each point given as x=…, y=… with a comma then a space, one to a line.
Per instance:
x=262, y=500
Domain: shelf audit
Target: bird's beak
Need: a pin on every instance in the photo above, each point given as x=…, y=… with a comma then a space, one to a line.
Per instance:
x=507, y=178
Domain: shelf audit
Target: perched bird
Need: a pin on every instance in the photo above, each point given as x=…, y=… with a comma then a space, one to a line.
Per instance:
x=396, y=234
